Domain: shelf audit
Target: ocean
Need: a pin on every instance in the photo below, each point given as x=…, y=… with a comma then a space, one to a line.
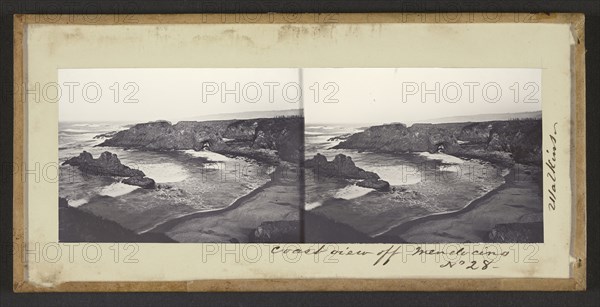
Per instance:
x=397, y=169
x=203, y=181
x=191, y=181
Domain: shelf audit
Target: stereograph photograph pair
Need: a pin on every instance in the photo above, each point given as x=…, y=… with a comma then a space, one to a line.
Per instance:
x=371, y=152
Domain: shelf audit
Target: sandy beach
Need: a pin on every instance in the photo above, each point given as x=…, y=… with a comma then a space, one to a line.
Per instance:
x=439, y=190
x=516, y=201
x=277, y=200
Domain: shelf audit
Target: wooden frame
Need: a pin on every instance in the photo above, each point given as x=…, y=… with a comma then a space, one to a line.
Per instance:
x=577, y=282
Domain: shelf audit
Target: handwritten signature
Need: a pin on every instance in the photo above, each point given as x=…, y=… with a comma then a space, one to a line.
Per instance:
x=551, y=164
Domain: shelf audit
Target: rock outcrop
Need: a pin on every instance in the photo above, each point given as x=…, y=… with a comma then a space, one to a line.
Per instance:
x=161, y=135
x=340, y=137
x=377, y=184
x=517, y=233
x=108, y=164
x=512, y=140
x=276, y=232
x=144, y=182
x=399, y=138
x=251, y=138
x=77, y=225
x=317, y=229
x=63, y=202
x=343, y=167
x=105, y=135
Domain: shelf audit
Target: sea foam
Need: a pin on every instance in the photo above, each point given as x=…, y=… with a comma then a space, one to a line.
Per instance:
x=442, y=157
x=164, y=172
x=116, y=189
x=77, y=202
x=351, y=192
x=397, y=174
x=310, y=206
x=211, y=156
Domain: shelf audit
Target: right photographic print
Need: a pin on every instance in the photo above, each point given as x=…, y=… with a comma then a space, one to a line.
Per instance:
x=423, y=155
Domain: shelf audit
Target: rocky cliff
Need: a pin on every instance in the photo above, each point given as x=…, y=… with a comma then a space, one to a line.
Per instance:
x=108, y=164
x=507, y=141
x=343, y=167
x=517, y=233
x=252, y=138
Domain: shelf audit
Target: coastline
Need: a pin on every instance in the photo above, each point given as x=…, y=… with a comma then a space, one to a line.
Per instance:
x=167, y=225
x=475, y=221
x=430, y=209
x=279, y=199
x=440, y=215
x=436, y=191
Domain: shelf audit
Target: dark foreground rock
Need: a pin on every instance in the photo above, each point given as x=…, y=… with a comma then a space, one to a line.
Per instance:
x=276, y=231
x=62, y=202
x=506, y=141
x=317, y=229
x=76, y=225
x=108, y=164
x=320, y=229
x=144, y=182
x=517, y=233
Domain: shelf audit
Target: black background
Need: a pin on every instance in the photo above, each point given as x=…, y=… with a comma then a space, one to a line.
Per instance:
x=8, y=298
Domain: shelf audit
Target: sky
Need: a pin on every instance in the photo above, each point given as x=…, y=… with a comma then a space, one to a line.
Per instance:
x=328, y=95
x=408, y=95
x=173, y=94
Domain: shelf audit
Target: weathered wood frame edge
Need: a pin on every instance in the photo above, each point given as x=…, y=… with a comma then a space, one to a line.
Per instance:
x=577, y=282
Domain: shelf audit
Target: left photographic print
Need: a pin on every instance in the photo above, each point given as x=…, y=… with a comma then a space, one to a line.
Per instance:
x=180, y=155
